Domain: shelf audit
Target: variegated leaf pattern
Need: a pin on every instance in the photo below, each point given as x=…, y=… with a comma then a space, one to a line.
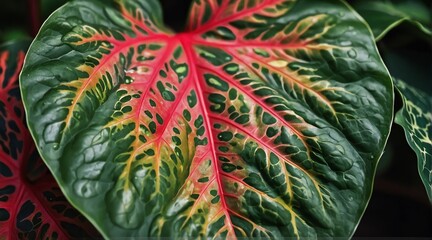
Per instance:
x=416, y=119
x=265, y=119
x=31, y=203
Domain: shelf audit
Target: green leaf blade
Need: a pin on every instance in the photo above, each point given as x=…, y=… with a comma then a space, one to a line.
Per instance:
x=262, y=120
x=416, y=119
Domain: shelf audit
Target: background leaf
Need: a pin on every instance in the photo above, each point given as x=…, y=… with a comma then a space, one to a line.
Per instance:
x=31, y=204
x=384, y=15
x=265, y=119
x=416, y=119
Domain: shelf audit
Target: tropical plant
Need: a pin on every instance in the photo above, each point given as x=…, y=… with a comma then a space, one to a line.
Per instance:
x=265, y=118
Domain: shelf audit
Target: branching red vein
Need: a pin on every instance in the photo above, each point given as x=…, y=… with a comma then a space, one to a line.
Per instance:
x=294, y=81
x=126, y=14
x=287, y=206
x=197, y=164
x=235, y=16
x=258, y=101
x=220, y=10
x=152, y=79
x=236, y=179
x=279, y=200
x=177, y=102
x=3, y=58
x=96, y=70
x=24, y=189
x=200, y=195
x=194, y=71
x=17, y=165
x=248, y=220
x=266, y=145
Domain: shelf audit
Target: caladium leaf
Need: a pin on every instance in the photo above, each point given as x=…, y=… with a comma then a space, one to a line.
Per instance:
x=416, y=119
x=31, y=203
x=265, y=119
x=383, y=16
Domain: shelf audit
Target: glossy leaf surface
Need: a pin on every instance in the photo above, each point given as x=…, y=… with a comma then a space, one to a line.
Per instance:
x=383, y=16
x=266, y=118
x=416, y=119
x=31, y=203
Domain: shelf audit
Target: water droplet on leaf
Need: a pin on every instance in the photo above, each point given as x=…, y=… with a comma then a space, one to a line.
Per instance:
x=56, y=146
x=128, y=80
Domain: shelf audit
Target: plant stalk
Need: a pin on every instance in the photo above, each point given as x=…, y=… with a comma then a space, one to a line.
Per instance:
x=34, y=16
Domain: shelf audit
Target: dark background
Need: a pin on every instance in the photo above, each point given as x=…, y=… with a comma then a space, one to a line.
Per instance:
x=399, y=205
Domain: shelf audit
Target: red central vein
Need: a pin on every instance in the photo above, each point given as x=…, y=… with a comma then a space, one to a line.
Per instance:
x=192, y=59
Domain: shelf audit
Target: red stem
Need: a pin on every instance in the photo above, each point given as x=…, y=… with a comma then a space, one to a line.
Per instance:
x=34, y=17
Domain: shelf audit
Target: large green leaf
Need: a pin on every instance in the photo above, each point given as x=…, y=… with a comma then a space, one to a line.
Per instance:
x=416, y=119
x=384, y=15
x=266, y=118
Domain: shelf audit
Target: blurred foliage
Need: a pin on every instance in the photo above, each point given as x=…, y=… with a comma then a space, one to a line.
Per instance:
x=13, y=20
x=384, y=15
x=13, y=34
